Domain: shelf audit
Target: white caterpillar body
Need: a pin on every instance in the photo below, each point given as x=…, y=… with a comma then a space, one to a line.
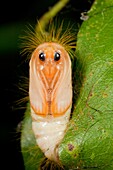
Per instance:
x=49, y=132
x=50, y=92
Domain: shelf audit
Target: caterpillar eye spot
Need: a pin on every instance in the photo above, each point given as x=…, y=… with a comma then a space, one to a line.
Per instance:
x=42, y=56
x=56, y=56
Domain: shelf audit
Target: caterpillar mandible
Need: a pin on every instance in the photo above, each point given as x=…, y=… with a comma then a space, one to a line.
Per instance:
x=50, y=85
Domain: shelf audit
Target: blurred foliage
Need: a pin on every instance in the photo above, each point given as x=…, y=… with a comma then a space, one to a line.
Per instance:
x=16, y=20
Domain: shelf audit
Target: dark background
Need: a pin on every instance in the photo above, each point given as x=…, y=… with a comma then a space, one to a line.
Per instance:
x=14, y=15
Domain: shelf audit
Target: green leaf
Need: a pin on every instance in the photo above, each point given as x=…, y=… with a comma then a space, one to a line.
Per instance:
x=88, y=143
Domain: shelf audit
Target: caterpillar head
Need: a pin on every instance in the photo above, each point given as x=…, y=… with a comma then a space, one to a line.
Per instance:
x=50, y=87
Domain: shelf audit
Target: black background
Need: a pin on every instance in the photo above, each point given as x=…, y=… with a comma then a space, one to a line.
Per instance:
x=13, y=13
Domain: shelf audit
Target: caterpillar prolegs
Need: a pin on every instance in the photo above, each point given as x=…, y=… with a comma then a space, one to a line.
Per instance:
x=50, y=86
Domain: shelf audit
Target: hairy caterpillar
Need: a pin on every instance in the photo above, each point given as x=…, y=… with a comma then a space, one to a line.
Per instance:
x=50, y=85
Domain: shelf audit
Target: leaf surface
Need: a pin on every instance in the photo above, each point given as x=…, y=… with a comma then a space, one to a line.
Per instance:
x=88, y=143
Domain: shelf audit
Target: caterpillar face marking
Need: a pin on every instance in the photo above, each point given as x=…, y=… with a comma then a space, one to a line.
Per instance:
x=42, y=56
x=50, y=80
x=56, y=56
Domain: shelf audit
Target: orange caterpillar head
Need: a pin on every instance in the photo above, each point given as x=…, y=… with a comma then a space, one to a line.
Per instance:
x=50, y=84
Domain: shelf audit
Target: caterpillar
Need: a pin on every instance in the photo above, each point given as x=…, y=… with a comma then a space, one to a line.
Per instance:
x=50, y=84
